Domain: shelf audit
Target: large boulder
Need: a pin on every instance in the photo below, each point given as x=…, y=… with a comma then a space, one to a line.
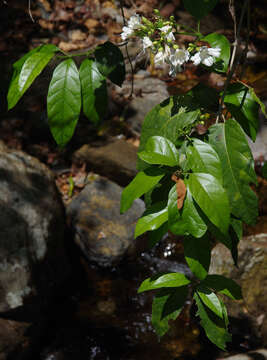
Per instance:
x=32, y=255
x=251, y=275
x=115, y=159
x=101, y=232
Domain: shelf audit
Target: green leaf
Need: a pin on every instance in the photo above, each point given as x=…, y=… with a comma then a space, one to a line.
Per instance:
x=152, y=219
x=225, y=315
x=190, y=221
x=211, y=198
x=110, y=62
x=230, y=143
x=210, y=300
x=14, y=91
x=159, y=150
x=201, y=157
x=156, y=235
x=218, y=40
x=215, y=328
x=159, y=281
x=243, y=107
x=258, y=100
x=64, y=101
x=199, y=8
x=142, y=183
x=167, y=305
x=94, y=91
x=224, y=286
x=168, y=119
x=197, y=255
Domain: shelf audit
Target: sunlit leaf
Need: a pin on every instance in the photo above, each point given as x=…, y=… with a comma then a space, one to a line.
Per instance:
x=94, y=91
x=215, y=328
x=152, y=219
x=243, y=107
x=230, y=143
x=210, y=300
x=142, y=183
x=64, y=101
x=169, y=280
x=160, y=150
x=220, y=41
x=211, y=198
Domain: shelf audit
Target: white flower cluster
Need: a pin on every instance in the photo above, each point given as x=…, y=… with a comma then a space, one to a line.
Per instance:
x=165, y=50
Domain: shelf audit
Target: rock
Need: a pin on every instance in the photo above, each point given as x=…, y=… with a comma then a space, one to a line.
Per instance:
x=115, y=159
x=150, y=92
x=32, y=256
x=251, y=276
x=103, y=235
x=13, y=338
x=260, y=354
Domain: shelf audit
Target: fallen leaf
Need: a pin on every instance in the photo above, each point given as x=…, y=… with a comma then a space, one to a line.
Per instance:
x=180, y=189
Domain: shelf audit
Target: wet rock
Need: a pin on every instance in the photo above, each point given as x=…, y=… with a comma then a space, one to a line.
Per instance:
x=251, y=275
x=103, y=235
x=260, y=354
x=115, y=159
x=13, y=338
x=149, y=93
x=31, y=232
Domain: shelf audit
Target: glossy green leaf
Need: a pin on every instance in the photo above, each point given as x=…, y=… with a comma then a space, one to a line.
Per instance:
x=160, y=150
x=258, y=100
x=243, y=107
x=201, y=157
x=142, y=183
x=230, y=143
x=14, y=91
x=197, y=255
x=167, y=305
x=210, y=300
x=199, y=8
x=225, y=315
x=220, y=41
x=169, y=280
x=94, y=91
x=224, y=286
x=188, y=221
x=156, y=235
x=152, y=219
x=215, y=328
x=110, y=62
x=211, y=198
x=168, y=119
x=64, y=101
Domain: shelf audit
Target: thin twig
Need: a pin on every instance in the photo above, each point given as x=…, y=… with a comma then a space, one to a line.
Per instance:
x=29, y=10
x=127, y=53
x=234, y=60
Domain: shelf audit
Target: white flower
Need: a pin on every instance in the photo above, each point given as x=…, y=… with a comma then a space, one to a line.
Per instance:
x=159, y=57
x=162, y=55
x=176, y=60
x=167, y=30
x=133, y=24
x=126, y=32
x=179, y=57
x=147, y=43
x=206, y=56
